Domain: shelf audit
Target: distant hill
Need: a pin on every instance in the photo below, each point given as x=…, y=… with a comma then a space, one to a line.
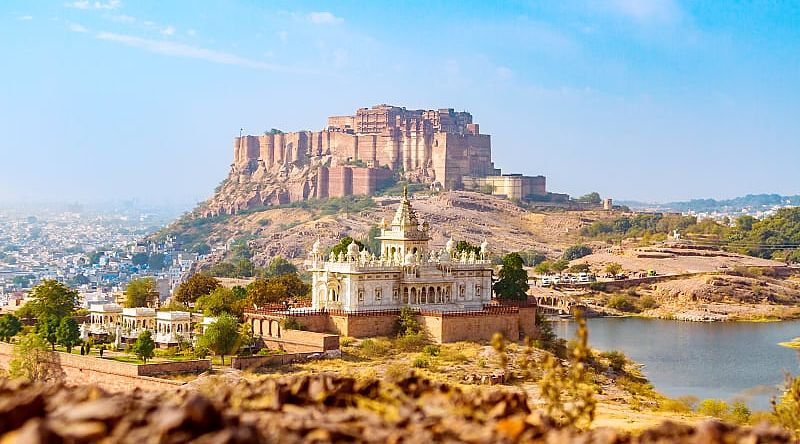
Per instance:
x=750, y=201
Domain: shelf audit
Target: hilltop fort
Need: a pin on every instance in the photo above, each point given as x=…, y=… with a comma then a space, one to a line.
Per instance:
x=361, y=153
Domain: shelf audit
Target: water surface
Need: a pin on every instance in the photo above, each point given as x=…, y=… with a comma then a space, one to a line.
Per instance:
x=722, y=360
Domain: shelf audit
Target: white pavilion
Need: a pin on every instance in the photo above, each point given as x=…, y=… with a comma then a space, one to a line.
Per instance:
x=407, y=272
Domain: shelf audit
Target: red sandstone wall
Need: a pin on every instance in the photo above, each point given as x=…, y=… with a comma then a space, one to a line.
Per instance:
x=105, y=373
x=527, y=322
x=471, y=327
x=253, y=362
x=364, y=326
x=340, y=181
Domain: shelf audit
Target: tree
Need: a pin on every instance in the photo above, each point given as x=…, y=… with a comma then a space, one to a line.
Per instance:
x=194, y=287
x=140, y=259
x=9, y=327
x=144, y=346
x=544, y=267
x=278, y=266
x=156, y=261
x=47, y=328
x=614, y=268
x=591, y=198
x=32, y=360
x=512, y=282
x=560, y=265
x=463, y=245
x=52, y=299
x=222, y=337
x=579, y=268
x=67, y=333
x=140, y=291
x=341, y=247
x=279, y=289
x=203, y=249
x=221, y=300
x=407, y=323
x=576, y=252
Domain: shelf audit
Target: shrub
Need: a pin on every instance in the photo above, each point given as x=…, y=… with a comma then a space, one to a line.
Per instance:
x=647, y=303
x=616, y=360
x=683, y=404
x=597, y=286
x=739, y=413
x=411, y=342
x=396, y=372
x=431, y=350
x=374, y=348
x=407, y=322
x=421, y=362
x=292, y=324
x=576, y=252
x=787, y=407
x=346, y=341
x=622, y=303
x=713, y=407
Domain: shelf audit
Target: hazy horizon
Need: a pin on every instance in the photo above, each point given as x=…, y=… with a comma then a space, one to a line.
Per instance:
x=651, y=101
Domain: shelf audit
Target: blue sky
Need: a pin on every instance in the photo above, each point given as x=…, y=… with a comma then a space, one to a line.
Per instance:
x=651, y=100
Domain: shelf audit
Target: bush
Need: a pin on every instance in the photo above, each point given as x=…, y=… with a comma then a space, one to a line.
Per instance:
x=576, y=252
x=407, y=323
x=421, y=362
x=647, y=303
x=431, y=350
x=597, y=286
x=713, y=407
x=374, y=348
x=411, y=342
x=396, y=372
x=683, y=404
x=293, y=324
x=616, y=360
x=622, y=303
x=346, y=341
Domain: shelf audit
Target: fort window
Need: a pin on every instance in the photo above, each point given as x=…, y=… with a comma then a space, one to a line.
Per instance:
x=378, y=295
x=360, y=295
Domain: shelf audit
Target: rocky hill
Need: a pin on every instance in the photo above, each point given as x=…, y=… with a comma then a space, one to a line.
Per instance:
x=289, y=230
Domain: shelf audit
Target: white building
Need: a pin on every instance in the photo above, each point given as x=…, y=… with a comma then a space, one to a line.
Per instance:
x=407, y=273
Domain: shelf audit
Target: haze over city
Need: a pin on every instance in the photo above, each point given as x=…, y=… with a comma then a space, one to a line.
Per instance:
x=654, y=101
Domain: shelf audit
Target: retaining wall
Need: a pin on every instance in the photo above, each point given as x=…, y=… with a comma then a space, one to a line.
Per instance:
x=114, y=375
x=253, y=362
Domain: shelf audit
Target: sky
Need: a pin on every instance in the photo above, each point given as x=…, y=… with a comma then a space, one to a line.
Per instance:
x=656, y=101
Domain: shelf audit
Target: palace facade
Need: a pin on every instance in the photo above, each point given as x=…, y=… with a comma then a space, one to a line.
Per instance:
x=406, y=273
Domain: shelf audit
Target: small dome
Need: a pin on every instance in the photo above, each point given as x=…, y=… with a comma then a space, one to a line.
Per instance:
x=315, y=248
x=450, y=246
x=352, y=249
x=484, y=247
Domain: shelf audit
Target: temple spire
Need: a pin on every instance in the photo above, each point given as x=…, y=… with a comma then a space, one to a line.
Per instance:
x=405, y=192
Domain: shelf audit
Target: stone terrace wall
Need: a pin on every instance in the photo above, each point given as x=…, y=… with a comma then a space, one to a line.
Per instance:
x=298, y=341
x=105, y=373
x=471, y=326
x=253, y=362
x=365, y=325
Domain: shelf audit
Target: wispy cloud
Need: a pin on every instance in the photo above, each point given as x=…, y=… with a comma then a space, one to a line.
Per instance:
x=169, y=30
x=645, y=10
x=177, y=49
x=122, y=18
x=86, y=4
x=324, y=18
x=74, y=27
x=25, y=17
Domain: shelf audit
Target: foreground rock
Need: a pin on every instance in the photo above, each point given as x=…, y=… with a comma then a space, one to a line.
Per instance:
x=319, y=408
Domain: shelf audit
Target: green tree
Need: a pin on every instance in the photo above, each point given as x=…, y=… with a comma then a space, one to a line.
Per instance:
x=52, y=299
x=341, y=247
x=221, y=300
x=512, y=282
x=9, y=327
x=194, y=287
x=144, y=346
x=278, y=266
x=614, y=268
x=544, y=267
x=47, y=328
x=276, y=290
x=591, y=198
x=463, y=245
x=579, y=268
x=222, y=337
x=560, y=265
x=576, y=252
x=156, y=261
x=140, y=259
x=407, y=323
x=139, y=291
x=67, y=333
x=32, y=360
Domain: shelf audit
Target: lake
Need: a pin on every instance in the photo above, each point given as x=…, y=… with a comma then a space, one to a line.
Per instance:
x=722, y=360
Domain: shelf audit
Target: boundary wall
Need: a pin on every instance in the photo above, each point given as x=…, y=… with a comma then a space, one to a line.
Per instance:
x=114, y=375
